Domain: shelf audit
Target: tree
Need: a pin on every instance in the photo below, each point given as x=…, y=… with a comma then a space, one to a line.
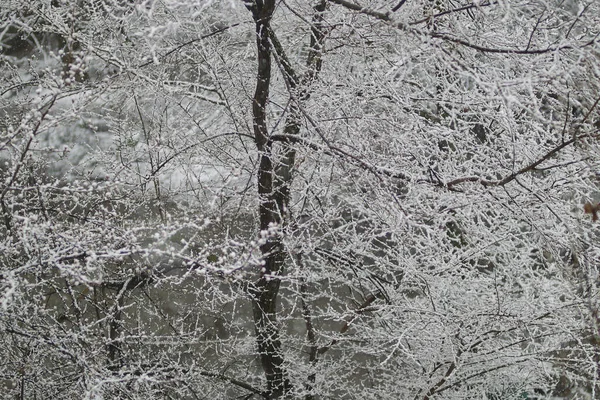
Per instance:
x=277, y=199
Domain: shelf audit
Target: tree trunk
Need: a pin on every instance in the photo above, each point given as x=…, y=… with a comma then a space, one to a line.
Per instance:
x=271, y=210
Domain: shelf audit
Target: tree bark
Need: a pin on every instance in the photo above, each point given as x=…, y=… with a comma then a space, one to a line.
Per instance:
x=272, y=206
x=274, y=180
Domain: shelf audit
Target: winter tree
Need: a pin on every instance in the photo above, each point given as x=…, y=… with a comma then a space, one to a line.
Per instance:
x=315, y=199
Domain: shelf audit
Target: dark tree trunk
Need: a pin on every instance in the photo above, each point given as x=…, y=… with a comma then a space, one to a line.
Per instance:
x=271, y=210
x=274, y=180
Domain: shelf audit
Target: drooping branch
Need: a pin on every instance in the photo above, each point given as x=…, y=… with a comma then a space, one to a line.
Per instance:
x=452, y=11
x=153, y=370
x=235, y=382
x=387, y=18
x=389, y=173
x=509, y=178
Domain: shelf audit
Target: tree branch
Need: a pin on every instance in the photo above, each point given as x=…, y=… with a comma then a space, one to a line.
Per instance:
x=386, y=17
x=364, y=307
x=447, y=12
x=514, y=175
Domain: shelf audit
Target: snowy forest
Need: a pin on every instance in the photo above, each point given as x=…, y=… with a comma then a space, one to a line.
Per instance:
x=299, y=199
